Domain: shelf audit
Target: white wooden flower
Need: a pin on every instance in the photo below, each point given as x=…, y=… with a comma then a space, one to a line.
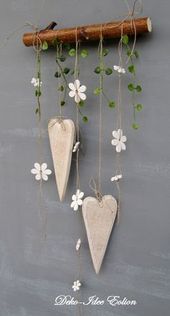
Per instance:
x=77, y=91
x=76, y=286
x=41, y=172
x=36, y=82
x=116, y=178
x=77, y=200
x=78, y=244
x=119, y=140
x=119, y=69
x=76, y=147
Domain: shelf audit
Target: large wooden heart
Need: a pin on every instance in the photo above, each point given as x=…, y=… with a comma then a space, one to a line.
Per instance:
x=61, y=135
x=99, y=218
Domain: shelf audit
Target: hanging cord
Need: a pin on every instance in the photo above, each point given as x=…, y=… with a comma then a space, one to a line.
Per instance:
x=96, y=186
x=100, y=111
x=37, y=45
x=76, y=76
x=119, y=102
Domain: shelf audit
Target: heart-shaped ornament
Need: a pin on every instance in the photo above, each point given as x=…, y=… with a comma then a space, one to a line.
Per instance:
x=99, y=218
x=62, y=136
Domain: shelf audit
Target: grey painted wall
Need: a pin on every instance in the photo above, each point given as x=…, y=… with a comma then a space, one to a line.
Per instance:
x=137, y=263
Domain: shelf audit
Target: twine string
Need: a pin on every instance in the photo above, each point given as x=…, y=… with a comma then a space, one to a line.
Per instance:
x=119, y=101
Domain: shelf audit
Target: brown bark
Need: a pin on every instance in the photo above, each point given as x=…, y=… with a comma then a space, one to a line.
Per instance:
x=90, y=32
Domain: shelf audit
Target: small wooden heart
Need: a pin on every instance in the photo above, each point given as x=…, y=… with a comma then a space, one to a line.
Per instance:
x=61, y=135
x=99, y=218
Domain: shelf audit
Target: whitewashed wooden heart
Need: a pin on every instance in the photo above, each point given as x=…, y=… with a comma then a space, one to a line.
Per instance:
x=62, y=136
x=99, y=219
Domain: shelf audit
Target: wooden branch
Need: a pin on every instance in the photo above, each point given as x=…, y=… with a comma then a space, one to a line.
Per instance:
x=90, y=32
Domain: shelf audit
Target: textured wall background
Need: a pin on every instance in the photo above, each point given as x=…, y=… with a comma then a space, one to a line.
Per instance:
x=137, y=263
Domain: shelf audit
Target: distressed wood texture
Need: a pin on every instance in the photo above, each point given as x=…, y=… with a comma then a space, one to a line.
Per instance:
x=62, y=136
x=91, y=32
x=99, y=219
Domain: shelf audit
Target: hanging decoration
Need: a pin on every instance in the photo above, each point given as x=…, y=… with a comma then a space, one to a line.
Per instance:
x=100, y=210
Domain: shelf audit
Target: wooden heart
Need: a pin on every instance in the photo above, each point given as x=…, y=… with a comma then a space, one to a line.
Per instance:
x=99, y=218
x=61, y=135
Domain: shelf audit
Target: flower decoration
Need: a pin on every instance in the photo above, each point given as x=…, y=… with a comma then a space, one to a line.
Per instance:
x=77, y=91
x=41, y=172
x=119, y=69
x=36, y=82
x=78, y=245
x=119, y=140
x=76, y=286
x=116, y=178
x=77, y=200
x=76, y=147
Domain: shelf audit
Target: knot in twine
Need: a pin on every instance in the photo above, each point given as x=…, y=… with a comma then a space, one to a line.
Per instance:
x=57, y=119
x=93, y=186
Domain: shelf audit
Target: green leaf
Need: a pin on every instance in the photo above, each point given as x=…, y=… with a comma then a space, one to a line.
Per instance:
x=108, y=71
x=85, y=119
x=66, y=46
x=72, y=52
x=139, y=107
x=37, y=111
x=136, y=54
x=66, y=70
x=129, y=53
x=135, y=126
x=112, y=104
x=81, y=103
x=97, y=91
x=138, y=88
x=62, y=103
x=105, y=52
x=44, y=45
x=84, y=53
x=97, y=70
x=61, y=88
x=131, y=69
x=57, y=74
x=131, y=87
x=125, y=39
x=62, y=58
x=37, y=93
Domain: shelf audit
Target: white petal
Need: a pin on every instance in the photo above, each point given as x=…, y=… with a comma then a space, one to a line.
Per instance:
x=123, y=146
x=43, y=166
x=72, y=204
x=34, y=171
x=38, y=176
x=82, y=96
x=115, y=67
x=48, y=172
x=114, y=142
x=37, y=166
x=76, y=207
x=44, y=176
x=72, y=94
x=77, y=84
x=118, y=147
x=77, y=98
x=120, y=133
x=71, y=86
x=81, y=194
x=82, y=89
x=74, y=197
x=115, y=134
x=79, y=202
x=123, y=139
x=78, y=192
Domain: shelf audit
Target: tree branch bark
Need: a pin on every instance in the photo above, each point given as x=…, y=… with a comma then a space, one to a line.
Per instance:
x=90, y=32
